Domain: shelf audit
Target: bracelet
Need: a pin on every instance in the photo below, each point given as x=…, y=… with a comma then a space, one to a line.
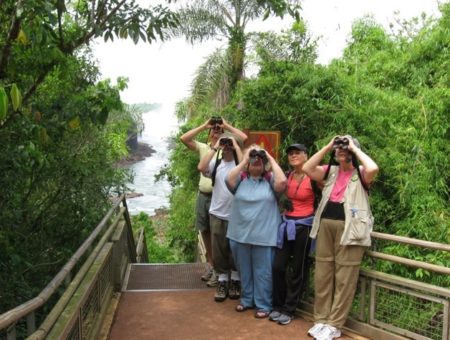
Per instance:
x=213, y=148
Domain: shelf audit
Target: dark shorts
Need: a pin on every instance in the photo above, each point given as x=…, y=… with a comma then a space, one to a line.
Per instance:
x=202, y=211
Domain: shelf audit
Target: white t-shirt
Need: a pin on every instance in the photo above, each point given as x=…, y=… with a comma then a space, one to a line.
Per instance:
x=221, y=196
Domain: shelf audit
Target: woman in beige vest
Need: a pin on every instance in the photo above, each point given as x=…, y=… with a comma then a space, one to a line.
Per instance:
x=342, y=226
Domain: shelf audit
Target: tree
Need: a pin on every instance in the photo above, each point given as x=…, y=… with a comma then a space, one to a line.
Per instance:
x=59, y=141
x=213, y=19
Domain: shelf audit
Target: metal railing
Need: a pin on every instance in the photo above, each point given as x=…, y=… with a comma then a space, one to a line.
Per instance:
x=391, y=307
x=109, y=249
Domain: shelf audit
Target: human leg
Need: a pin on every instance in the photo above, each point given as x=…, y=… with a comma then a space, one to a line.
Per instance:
x=220, y=254
x=262, y=259
x=202, y=222
x=348, y=261
x=297, y=274
x=324, y=270
x=220, y=245
x=279, y=275
x=242, y=258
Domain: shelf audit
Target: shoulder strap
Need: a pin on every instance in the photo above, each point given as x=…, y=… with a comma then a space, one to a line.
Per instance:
x=216, y=165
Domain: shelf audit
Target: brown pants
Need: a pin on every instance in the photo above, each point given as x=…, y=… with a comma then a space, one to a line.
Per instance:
x=336, y=274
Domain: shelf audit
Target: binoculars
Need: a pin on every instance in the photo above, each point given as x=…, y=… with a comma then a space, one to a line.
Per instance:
x=340, y=143
x=226, y=142
x=258, y=153
x=215, y=121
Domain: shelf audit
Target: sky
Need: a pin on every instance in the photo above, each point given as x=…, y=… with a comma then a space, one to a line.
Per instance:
x=163, y=72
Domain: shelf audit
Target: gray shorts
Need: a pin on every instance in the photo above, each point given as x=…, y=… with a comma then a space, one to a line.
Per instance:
x=202, y=211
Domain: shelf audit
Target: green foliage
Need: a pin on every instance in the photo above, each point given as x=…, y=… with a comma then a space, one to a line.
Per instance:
x=158, y=252
x=201, y=20
x=395, y=100
x=61, y=131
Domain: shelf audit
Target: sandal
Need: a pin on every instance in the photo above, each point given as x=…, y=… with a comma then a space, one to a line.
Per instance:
x=241, y=308
x=261, y=314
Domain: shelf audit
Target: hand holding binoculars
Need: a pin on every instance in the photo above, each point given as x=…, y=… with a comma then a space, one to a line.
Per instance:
x=258, y=153
x=341, y=143
x=215, y=121
x=226, y=142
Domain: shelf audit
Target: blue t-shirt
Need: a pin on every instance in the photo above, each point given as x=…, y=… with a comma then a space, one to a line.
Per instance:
x=254, y=217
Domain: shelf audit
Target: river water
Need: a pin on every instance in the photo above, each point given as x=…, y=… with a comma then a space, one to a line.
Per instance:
x=159, y=125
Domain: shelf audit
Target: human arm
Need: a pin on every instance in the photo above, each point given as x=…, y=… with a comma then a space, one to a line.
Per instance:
x=239, y=153
x=188, y=138
x=370, y=167
x=279, y=178
x=203, y=165
x=238, y=133
x=233, y=175
x=312, y=166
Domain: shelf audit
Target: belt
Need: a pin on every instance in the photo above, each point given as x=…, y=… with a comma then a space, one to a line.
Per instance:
x=209, y=194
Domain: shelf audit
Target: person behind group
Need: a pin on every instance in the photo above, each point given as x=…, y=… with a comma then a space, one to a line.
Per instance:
x=216, y=127
x=252, y=229
x=342, y=226
x=217, y=169
x=290, y=267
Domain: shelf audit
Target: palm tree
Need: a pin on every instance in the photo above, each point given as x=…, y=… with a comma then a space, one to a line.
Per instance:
x=215, y=19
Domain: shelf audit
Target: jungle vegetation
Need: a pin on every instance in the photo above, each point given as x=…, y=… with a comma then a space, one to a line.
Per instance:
x=390, y=89
x=62, y=129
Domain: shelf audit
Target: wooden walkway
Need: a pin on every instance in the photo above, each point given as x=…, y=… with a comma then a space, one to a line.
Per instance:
x=183, y=313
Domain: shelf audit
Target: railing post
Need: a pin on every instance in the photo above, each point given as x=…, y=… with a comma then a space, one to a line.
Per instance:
x=131, y=243
x=362, y=302
x=11, y=332
x=31, y=323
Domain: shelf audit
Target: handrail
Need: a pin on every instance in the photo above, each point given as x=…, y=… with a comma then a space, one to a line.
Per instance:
x=141, y=246
x=50, y=320
x=413, y=263
x=411, y=241
x=408, y=262
x=15, y=314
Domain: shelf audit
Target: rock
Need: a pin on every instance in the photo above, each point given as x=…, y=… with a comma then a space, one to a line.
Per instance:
x=143, y=150
x=133, y=194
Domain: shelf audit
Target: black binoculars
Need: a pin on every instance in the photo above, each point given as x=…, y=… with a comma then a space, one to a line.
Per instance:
x=258, y=153
x=226, y=142
x=215, y=121
x=340, y=143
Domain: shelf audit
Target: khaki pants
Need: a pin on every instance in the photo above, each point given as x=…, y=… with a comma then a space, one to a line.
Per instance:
x=336, y=274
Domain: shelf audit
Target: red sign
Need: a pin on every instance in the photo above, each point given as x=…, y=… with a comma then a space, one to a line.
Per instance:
x=268, y=140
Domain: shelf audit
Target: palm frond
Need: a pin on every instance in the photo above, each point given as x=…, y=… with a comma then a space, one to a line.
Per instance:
x=199, y=23
x=211, y=82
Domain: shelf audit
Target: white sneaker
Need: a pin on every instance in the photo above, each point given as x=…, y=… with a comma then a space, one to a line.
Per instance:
x=315, y=330
x=328, y=333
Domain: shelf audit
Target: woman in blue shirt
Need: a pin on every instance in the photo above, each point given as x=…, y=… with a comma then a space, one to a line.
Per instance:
x=253, y=225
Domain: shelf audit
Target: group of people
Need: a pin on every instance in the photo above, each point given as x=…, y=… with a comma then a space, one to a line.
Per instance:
x=259, y=253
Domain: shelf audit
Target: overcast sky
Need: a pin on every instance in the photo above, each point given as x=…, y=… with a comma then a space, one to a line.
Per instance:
x=163, y=72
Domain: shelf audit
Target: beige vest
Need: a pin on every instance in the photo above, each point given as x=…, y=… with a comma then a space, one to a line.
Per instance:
x=358, y=216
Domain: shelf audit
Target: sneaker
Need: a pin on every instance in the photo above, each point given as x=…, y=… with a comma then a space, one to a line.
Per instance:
x=212, y=282
x=221, y=291
x=274, y=315
x=328, y=333
x=207, y=274
x=235, y=290
x=284, y=319
x=316, y=329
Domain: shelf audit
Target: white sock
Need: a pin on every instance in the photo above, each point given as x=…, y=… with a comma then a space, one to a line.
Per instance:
x=223, y=277
x=235, y=276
